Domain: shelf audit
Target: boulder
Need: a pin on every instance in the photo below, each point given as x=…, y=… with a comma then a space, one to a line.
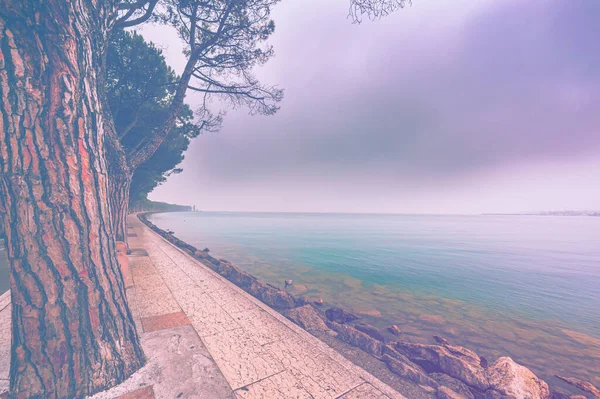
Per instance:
x=456, y=361
x=395, y=330
x=370, y=330
x=356, y=338
x=339, y=315
x=306, y=317
x=583, y=385
x=402, y=366
x=452, y=383
x=318, y=302
x=514, y=381
x=483, y=362
x=447, y=393
x=267, y=293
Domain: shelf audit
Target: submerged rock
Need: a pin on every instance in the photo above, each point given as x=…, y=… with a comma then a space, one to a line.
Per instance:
x=514, y=381
x=339, y=315
x=370, y=330
x=307, y=317
x=304, y=300
x=583, y=385
x=456, y=361
x=394, y=329
x=356, y=338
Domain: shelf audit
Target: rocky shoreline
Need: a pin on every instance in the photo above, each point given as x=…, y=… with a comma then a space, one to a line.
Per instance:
x=439, y=370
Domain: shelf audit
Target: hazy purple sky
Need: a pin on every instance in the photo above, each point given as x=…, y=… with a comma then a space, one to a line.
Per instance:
x=443, y=107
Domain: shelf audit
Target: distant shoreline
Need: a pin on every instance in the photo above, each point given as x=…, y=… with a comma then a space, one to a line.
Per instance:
x=556, y=213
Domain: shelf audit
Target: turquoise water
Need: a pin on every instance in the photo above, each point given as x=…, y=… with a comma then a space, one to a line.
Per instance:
x=523, y=286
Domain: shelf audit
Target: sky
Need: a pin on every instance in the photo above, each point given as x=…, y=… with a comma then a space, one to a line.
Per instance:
x=442, y=107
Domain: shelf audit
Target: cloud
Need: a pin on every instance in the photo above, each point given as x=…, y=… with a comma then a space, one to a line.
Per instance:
x=431, y=93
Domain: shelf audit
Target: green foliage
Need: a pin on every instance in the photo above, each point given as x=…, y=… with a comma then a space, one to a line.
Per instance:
x=140, y=86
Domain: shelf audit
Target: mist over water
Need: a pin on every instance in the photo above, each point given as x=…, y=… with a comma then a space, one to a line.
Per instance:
x=523, y=286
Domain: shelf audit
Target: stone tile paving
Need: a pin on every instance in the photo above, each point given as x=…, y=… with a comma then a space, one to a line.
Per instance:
x=142, y=393
x=5, y=334
x=162, y=322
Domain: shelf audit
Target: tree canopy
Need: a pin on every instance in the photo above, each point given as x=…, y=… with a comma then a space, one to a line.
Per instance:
x=140, y=87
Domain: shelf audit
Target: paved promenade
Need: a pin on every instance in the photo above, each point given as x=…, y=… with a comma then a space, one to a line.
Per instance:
x=206, y=338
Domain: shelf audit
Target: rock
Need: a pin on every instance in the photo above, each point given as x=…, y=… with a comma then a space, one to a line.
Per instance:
x=368, y=312
x=303, y=300
x=402, y=366
x=356, y=338
x=370, y=330
x=395, y=330
x=441, y=340
x=583, y=385
x=200, y=254
x=267, y=293
x=483, y=362
x=455, y=385
x=447, y=393
x=456, y=361
x=306, y=317
x=514, y=381
x=560, y=395
x=339, y=315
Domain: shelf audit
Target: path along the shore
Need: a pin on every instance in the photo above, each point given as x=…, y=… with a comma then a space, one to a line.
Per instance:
x=206, y=338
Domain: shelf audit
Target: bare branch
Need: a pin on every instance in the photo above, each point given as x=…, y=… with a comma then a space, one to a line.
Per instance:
x=374, y=9
x=226, y=40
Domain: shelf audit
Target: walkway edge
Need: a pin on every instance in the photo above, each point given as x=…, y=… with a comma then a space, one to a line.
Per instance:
x=323, y=347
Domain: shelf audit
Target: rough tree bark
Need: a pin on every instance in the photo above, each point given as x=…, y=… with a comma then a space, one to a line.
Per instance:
x=119, y=181
x=73, y=333
x=119, y=191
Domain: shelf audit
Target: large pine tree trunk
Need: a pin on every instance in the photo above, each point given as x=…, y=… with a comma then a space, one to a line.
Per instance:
x=119, y=189
x=73, y=333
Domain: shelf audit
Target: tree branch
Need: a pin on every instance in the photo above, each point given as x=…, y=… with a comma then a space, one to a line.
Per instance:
x=133, y=8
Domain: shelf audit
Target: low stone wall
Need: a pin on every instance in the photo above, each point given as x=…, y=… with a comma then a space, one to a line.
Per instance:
x=271, y=295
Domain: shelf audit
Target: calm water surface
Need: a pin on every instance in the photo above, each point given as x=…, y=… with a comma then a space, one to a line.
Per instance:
x=523, y=286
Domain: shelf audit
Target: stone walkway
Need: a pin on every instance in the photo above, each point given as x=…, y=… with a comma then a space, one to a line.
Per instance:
x=206, y=338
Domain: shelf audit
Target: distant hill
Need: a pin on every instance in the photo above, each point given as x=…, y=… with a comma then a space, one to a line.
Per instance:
x=552, y=213
x=155, y=206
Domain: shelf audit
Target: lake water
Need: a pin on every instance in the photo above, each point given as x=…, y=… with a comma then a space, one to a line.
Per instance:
x=523, y=286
